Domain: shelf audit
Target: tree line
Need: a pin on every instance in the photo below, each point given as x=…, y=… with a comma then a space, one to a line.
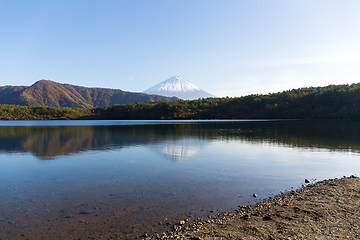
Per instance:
x=17, y=112
x=331, y=102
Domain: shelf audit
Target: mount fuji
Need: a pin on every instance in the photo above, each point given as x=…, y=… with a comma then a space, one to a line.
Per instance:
x=178, y=87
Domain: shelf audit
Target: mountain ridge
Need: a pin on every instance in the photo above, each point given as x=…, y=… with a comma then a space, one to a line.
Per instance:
x=54, y=94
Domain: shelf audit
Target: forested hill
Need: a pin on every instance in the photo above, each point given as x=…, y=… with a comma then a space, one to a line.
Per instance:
x=49, y=93
x=331, y=102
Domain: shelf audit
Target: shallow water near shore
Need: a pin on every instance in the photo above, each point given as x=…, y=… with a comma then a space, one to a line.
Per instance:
x=102, y=179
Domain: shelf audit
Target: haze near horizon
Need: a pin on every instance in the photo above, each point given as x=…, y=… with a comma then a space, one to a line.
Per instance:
x=227, y=48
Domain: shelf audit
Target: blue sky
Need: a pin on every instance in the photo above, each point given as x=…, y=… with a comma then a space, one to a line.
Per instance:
x=228, y=48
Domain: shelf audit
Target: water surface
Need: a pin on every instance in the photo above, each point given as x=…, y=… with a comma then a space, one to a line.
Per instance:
x=79, y=179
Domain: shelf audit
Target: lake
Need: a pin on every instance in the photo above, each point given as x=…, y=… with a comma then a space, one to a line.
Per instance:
x=120, y=179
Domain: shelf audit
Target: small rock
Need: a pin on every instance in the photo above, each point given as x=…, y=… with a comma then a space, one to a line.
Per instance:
x=83, y=212
x=254, y=195
x=182, y=222
x=307, y=180
x=267, y=218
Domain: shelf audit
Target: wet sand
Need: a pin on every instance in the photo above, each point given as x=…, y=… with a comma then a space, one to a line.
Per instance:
x=327, y=209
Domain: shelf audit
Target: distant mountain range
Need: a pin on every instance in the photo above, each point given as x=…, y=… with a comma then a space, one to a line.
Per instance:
x=49, y=93
x=178, y=87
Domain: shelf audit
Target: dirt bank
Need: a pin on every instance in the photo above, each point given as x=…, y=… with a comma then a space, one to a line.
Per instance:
x=329, y=209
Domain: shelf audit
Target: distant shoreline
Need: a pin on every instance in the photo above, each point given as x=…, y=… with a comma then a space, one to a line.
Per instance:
x=331, y=102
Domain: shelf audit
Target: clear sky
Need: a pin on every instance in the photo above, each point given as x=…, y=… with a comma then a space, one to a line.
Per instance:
x=228, y=48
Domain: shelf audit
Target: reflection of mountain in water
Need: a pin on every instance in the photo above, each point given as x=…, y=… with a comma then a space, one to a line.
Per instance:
x=173, y=140
x=178, y=151
x=49, y=142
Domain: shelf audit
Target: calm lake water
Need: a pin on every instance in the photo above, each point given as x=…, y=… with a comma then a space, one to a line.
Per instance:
x=102, y=179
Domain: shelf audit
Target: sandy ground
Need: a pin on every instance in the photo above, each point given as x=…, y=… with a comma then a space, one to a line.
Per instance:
x=329, y=209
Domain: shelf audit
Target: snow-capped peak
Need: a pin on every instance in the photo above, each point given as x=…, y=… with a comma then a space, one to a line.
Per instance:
x=174, y=84
x=179, y=87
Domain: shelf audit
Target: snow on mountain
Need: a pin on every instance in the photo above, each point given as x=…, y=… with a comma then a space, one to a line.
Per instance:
x=178, y=87
x=178, y=151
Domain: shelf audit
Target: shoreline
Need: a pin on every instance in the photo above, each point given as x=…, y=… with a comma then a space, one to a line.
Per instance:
x=326, y=209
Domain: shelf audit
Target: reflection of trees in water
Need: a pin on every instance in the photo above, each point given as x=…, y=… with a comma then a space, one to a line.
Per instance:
x=48, y=142
x=328, y=135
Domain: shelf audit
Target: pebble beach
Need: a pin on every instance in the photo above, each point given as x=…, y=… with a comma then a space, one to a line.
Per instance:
x=327, y=209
